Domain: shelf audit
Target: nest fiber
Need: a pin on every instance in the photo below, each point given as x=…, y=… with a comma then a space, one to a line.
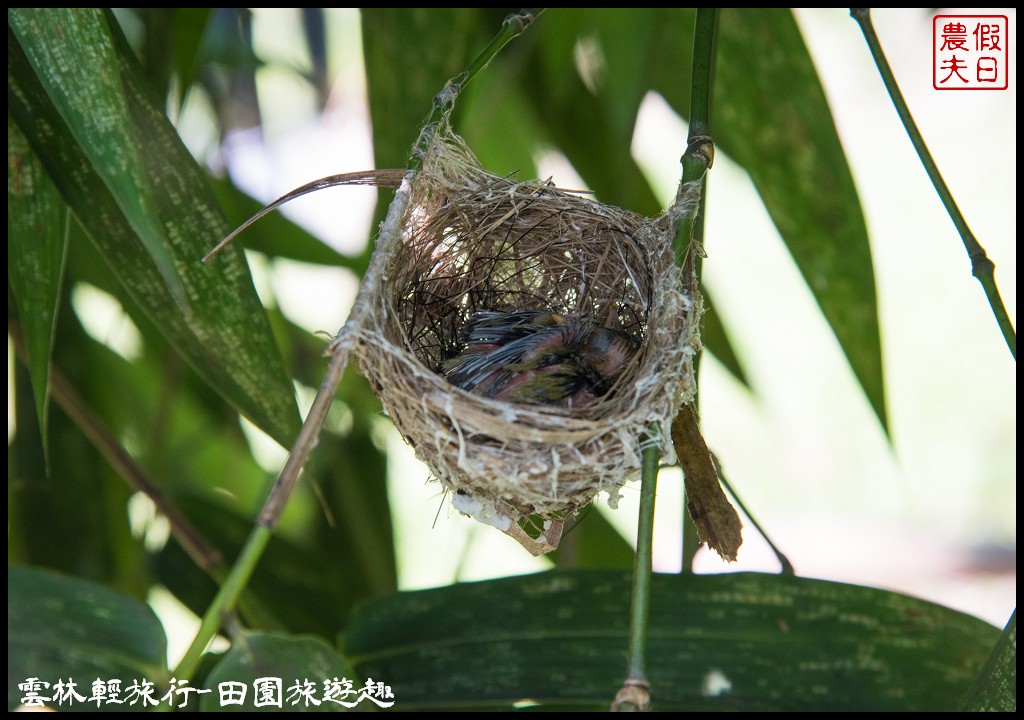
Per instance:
x=460, y=241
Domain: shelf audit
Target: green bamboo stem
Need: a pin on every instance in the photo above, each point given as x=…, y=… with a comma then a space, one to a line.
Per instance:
x=698, y=157
x=643, y=566
x=705, y=38
x=512, y=27
x=634, y=694
x=981, y=266
x=225, y=600
x=699, y=154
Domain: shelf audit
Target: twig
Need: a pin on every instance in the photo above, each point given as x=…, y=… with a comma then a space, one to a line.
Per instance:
x=512, y=27
x=981, y=266
x=202, y=552
x=375, y=178
x=787, y=566
x=635, y=691
x=698, y=157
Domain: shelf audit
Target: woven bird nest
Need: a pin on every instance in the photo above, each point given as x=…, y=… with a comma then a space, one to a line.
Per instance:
x=460, y=241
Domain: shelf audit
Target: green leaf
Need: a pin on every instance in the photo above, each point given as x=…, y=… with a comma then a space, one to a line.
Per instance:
x=63, y=628
x=593, y=124
x=741, y=642
x=299, y=662
x=715, y=339
x=171, y=46
x=409, y=55
x=770, y=114
x=224, y=335
x=995, y=689
x=74, y=60
x=37, y=219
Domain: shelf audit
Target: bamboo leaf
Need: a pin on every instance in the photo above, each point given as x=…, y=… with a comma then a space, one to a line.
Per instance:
x=172, y=46
x=742, y=641
x=770, y=114
x=301, y=663
x=37, y=219
x=62, y=628
x=995, y=689
x=590, y=541
x=74, y=60
x=410, y=53
x=589, y=113
x=224, y=334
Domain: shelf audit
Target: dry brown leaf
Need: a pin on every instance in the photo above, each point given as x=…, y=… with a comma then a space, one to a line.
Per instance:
x=718, y=523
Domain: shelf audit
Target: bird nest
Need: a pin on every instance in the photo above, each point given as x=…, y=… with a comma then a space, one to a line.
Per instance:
x=460, y=244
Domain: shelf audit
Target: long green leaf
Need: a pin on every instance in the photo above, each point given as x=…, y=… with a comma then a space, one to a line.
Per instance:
x=590, y=541
x=592, y=121
x=171, y=49
x=770, y=114
x=995, y=689
x=741, y=641
x=65, y=629
x=37, y=219
x=74, y=60
x=224, y=334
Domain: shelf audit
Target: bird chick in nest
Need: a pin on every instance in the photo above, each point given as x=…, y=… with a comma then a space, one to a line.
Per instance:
x=539, y=357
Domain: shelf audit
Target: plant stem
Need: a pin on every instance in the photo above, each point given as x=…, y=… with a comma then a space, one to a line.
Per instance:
x=981, y=266
x=786, y=565
x=195, y=545
x=643, y=566
x=698, y=157
x=634, y=694
x=699, y=154
x=225, y=600
x=705, y=37
x=512, y=27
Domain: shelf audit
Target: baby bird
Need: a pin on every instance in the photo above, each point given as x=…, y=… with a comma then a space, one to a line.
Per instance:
x=539, y=357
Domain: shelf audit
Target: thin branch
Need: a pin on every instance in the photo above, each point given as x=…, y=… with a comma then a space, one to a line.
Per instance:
x=202, y=552
x=981, y=266
x=698, y=157
x=787, y=566
x=225, y=600
x=635, y=691
x=512, y=27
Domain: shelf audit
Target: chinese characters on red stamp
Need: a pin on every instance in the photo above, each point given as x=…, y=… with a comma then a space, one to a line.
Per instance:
x=970, y=52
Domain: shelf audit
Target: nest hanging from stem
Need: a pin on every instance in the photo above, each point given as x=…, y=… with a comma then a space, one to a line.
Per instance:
x=460, y=241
